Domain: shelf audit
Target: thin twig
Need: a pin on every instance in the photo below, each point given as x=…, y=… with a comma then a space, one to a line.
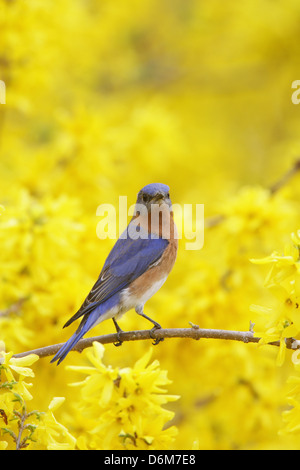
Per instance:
x=194, y=333
x=285, y=178
x=214, y=220
x=14, y=308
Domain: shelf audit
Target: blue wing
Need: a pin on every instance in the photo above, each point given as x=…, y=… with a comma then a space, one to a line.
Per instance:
x=128, y=259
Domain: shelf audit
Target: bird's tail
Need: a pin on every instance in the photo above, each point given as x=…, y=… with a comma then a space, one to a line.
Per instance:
x=86, y=324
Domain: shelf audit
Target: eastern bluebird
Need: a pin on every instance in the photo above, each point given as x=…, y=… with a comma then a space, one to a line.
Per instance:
x=136, y=267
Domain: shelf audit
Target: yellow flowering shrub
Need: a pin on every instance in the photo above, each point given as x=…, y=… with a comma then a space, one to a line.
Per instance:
x=283, y=282
x=103, y=98
x=282, y=319
x=19, y=427
x=292, y=415
x=122, y=408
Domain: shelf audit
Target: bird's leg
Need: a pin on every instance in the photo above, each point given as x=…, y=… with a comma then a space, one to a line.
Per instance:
x=156, y=326
x=119, y=330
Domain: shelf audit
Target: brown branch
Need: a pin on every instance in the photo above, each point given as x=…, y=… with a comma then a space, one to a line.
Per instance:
x=14, y=308
x=285, y=178
x=194, y=333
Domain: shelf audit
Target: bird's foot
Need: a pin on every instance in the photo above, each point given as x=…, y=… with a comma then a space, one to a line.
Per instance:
x=119, y=331
x=156, y=326
x=119, y=342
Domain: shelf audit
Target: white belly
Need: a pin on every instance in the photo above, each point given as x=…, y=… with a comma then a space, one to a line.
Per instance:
x=129, y=301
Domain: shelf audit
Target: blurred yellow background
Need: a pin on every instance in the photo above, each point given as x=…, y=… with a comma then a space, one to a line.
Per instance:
x=104, y=97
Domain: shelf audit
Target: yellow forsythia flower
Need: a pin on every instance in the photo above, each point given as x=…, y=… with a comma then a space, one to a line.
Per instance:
x=283, y=282
x=19, y=427
x=123, y=408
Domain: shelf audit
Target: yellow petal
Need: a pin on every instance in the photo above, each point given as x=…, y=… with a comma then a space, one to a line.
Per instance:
x=143, y=361
x=98, y=350
x=24, y=361
x=55, y=403
x=3, y=445
x=26, y=371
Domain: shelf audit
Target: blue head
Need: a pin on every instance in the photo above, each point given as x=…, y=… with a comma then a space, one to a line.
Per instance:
x=154, y=193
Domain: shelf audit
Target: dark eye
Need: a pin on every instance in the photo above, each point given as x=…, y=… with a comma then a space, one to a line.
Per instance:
x=168, y=195
x=146, y=197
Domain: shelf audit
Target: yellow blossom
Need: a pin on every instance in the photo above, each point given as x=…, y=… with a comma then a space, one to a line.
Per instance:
x=127, y=403
x=283, y=282
x=51, y=434
x=20, y=428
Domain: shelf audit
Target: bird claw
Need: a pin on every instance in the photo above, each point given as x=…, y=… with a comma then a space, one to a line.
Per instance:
x=119, y=342
x=156, y=340
x=119, y=331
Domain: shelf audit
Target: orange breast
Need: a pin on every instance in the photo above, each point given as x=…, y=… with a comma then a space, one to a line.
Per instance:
x=163, y=267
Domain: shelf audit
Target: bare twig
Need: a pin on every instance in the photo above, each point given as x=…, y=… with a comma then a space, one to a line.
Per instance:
x=214, y=220
x=285, y=178
x=14, y=308
x=194, y=333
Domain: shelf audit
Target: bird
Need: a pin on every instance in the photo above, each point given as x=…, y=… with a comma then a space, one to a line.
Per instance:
x=135, y=269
